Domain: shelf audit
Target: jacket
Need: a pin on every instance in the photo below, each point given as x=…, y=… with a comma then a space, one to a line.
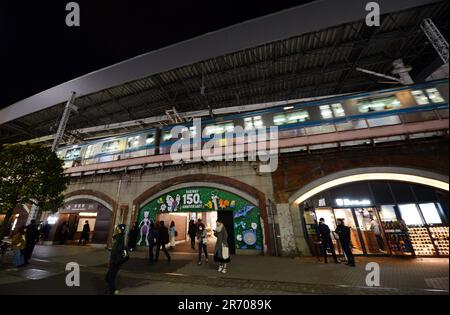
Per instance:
x=152, y=236
x=344, y=234
x=163, y=235
x=116, y=257
x=324, y=232
x=222, y=240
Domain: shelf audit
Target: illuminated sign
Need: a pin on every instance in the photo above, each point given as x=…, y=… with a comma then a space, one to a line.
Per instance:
x=52, y=220
x=351, y=202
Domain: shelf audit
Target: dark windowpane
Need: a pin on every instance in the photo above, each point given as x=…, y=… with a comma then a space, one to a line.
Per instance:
x=402, y=192
x=382, y=193
x=424, y=193
x=354, y=191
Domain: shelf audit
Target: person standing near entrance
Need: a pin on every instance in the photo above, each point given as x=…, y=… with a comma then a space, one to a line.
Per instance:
x=31, y=238
x=345, y=239
x=326, y=241
x=64, y=234
x=173, y=234
x=192, y=232
x=85, y=233
x=162, y=241
x=375, y=228
x=132, y=237
x=118, y=257
x=18, y=245
x=202, y=241
x=222, y=250
x=152, y=237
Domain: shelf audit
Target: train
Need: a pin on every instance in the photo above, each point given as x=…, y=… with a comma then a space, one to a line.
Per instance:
x=405, y=104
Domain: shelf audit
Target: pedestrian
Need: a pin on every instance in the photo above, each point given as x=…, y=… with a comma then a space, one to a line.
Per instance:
x=152, y=237
x=119, y=255
x=132, y=237
x=326, y=241
x=192, y=232
x=173, y=233
x=222, y=250
x=31, y=238
x=18, y=245
x=202, y=241
x=85, y=233
x=64, y=234
x=375, y=228
x=344, y=234
x=162, y=241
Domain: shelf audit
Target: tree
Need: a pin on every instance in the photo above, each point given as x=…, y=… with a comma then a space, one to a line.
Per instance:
x=29, y=173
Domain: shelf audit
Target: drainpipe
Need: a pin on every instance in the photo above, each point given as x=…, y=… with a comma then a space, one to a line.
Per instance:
x=272, y=216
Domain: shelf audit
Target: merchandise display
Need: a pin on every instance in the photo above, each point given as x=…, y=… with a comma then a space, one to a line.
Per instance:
x=440, y=237
x=397, y=236
x=421, y=241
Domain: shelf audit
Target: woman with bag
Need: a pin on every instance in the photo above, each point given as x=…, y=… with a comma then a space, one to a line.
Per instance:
x=222, y=250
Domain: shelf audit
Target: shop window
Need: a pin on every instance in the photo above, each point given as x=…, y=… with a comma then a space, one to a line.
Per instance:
x=110, y=146
x=410, y=214
x=380, y=104
x=420, y=97
x=252, y=123
x=387, y=213
x=219, y=129
x=430, y=213
x=133, y=142
x=73, y=154
x=435, y=96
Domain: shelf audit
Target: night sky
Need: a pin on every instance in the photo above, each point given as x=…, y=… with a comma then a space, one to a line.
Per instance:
x=38, y=50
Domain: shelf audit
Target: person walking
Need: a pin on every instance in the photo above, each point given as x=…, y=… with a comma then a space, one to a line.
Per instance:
x=173, y=233
x=152, y=238
x=344, y=234
x=222, y=250
x=162, y=241
x=31, y=238
x=64, y=234
x=18, y=245
x=192, y=232
x=202, y=241
x=326, y=241
x=118, y=257
x=85, y=233
x=132, y=237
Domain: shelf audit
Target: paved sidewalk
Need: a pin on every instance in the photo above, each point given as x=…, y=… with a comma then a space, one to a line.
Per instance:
x=247, y=275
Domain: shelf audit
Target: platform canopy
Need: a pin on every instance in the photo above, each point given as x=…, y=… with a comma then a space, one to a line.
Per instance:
x=309, y=50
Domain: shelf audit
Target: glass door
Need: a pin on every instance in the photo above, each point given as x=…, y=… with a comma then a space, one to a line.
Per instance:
x=347, y=215
x=371, y=231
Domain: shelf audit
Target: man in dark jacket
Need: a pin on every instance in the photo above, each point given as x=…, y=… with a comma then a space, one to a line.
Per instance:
x=152, y=237
x=327, y=243
x=162, y=241
x=345, y=239
x=132, y=237
x=192, y=231
x=31, y=238
x=85, y=233
x=118, y=256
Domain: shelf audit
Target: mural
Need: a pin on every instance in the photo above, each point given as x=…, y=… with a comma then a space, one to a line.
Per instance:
x=246, y=216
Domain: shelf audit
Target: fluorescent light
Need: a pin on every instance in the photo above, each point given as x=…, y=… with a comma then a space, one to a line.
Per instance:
x=288, y=107
x=88, y=214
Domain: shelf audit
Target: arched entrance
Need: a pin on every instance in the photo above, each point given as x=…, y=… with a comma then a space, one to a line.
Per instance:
x=240, y=206
x=391, y=211
x=81, y=207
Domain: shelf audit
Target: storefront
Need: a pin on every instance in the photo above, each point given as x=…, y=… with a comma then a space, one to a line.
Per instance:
x=75, y=213
x=385, y=217
x=240, y=216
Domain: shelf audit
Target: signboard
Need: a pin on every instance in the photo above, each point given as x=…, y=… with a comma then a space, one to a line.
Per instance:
x=246, y=215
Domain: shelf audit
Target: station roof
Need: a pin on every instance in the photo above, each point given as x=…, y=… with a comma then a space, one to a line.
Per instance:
x=305, y=51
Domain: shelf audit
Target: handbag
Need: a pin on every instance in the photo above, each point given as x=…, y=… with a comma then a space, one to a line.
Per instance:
x=225, y=252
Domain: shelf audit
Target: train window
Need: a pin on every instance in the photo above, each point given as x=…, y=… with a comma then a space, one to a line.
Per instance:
x=166, y=136
x=219, y=129
x=375, y=105
x=279, y=119
x=420, y=97
x=73, y=153
x=192, y=131
x=297, y=116
x=252, y=123
x=89, y=151
x=338, y=110
x=325, y=112
x=110, y=146
x=133, y=142
x=434, y=95
x=150, y=139
x=60, y=154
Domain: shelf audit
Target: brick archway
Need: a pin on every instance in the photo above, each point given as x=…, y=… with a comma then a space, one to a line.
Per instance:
x=250, y=190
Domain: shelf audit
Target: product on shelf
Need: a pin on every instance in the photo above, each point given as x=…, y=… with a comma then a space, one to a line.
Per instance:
x=440, y=238
x=397, y=236
x=421, y=241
